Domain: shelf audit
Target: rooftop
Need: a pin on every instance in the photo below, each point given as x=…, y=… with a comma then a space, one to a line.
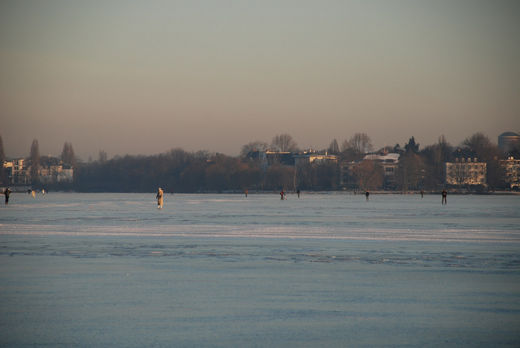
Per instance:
x=509, y=134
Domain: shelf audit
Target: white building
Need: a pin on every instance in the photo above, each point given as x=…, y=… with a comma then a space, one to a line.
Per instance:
x=19, y=171
x=389, y=162
x=512, y=171
x=466, y=171
x=55, y=174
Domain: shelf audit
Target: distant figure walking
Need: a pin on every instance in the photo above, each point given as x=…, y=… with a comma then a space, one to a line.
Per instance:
x=422, y=193
x=159, y=197
x=298, y=193
x=444, y=197
x=367, y=194
x=7, y=192
x=282, y=195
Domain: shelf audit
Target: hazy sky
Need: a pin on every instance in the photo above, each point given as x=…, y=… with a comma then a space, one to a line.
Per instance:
x=142, y=77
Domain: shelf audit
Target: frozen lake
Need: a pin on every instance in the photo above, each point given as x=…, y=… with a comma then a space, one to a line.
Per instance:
x=225, y=270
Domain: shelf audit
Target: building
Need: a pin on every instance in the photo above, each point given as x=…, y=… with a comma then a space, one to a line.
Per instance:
x=268, y=158
x=19, y=172
x=314, y=157
x=511, y=168
x=56, y=174
x=279, y=157
x=466, y=171
x=390, y=163
x=65, y=175
x=508, y=141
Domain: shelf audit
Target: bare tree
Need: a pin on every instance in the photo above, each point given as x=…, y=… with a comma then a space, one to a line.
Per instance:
x=356, y=147
x=369, y=175
x=253, y=146
x=35, y=161
x=435, y=157
x=284, y=143
x=2, y=154
x=486, y=152
x=482, y=146
x=279, y=177
x=360, y=143
x=411, y=171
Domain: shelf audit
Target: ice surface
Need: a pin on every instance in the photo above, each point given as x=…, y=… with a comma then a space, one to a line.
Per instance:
x=225, y=270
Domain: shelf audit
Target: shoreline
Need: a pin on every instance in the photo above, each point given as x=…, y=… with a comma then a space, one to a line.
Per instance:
x=351, y=192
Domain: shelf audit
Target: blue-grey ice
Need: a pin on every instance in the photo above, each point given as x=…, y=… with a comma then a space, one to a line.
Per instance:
x=112, y=270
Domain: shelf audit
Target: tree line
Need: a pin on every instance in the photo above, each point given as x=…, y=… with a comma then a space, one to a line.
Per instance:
x=180, y=171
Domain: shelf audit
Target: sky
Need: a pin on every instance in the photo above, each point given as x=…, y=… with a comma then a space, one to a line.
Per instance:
x=143, y=77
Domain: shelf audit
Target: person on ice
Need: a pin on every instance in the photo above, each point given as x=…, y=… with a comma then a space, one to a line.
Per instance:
x=7, y=192
x=159, y=197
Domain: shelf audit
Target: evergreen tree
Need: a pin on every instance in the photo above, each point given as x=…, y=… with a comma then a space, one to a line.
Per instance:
x=412, y=146
x=102, y=157
x=67, y=154
x=334, y=147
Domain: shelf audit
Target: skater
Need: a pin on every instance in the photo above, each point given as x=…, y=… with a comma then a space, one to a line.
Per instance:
x=159, y=198
x=7, y=192
x=298, y=193
x=246, y=192
x=422, y=193
x=367, y=194
x=282, y=195
x=444, y=197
